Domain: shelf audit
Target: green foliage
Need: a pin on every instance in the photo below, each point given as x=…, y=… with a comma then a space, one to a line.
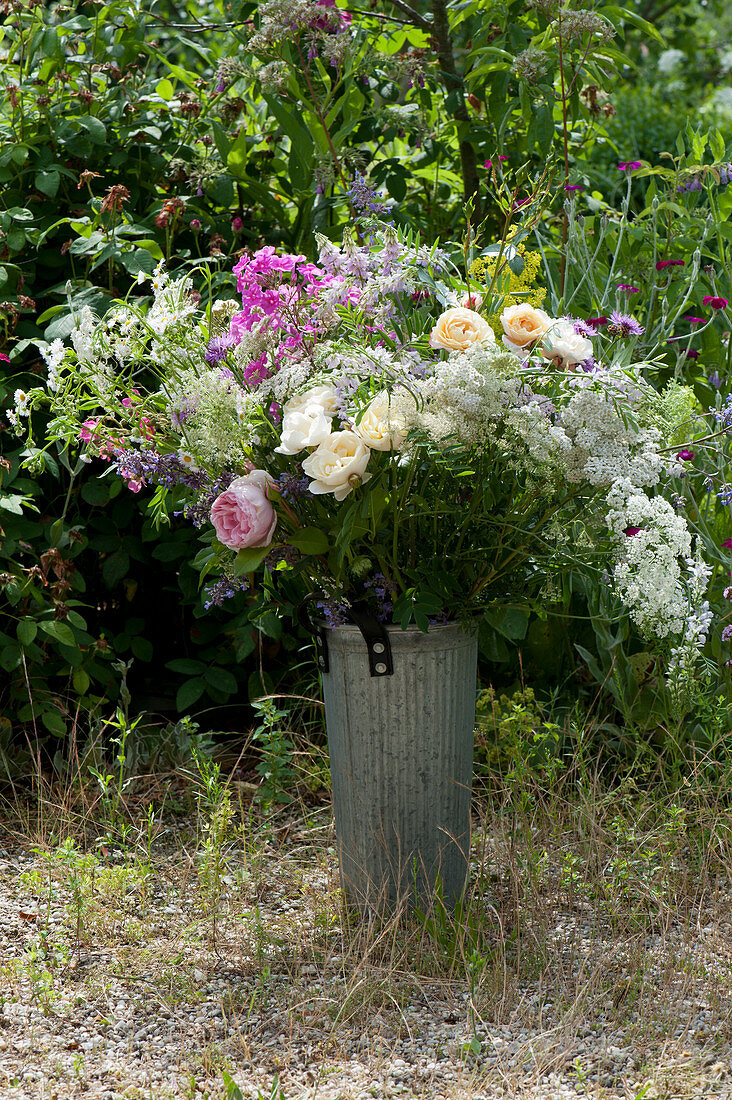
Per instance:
x=129, y=135
x=275, y=744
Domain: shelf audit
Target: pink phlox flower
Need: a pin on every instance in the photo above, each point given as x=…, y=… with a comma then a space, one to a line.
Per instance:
x=631, y=531
x=573, y=187
x=714, y=302
x=695, y=320
x=727, y=544
x=629, y=165
x=256, y=371
x=668, y=263
x=4, y=358
x=87, y=431
x=686, y=456
x=596, y=322
x=628, y=288
x=691, y=354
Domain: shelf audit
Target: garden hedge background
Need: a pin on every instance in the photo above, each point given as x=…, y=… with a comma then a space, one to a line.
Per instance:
x=188, y=132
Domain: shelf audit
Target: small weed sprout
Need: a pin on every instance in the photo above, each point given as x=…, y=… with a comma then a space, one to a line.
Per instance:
x=275, y=768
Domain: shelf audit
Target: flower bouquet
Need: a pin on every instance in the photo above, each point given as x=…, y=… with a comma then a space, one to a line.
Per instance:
x=410, y=445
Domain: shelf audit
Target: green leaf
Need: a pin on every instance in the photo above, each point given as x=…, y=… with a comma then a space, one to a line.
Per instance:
x=48, y=182
x=12, y=503
x=95, y=492
x=115, y=568
x=269, y=624
x=222, y=142
x=221, y=680
x=95, y=128
x=511, y=622
x=170, y=551
x=53, y=722
x=250, y=559
x=236, y=156
x=186, y=666
x=165, y=89
x=189, y=693
x=142, y=648
x=60, y=632
x=152, y=247
x=301, y=142
x=541, y=128
x=80, y=680
x=310, y=540
x=10, y=657
x=26, y=631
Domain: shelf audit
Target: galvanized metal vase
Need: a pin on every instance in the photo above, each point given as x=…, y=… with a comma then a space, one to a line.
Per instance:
x=401, y=758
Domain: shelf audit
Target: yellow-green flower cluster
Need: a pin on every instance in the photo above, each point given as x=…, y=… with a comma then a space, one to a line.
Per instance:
x=510, y=289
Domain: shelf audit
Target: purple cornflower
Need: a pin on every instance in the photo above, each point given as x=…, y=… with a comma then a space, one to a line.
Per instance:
x=622, y=324
x=218, y=347
x=584, y=328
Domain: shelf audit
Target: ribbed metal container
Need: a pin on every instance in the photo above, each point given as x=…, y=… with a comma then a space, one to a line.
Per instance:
x=401, y=758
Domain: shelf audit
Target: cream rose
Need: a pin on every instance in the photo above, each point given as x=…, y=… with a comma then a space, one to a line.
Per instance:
x=338, y=465
x=306, y=419
x=324, y=396
x=459, y=328
x=563, y=342
x=380, y=428
x=523, y=325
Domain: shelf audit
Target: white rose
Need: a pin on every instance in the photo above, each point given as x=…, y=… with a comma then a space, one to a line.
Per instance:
x=306, y=419
x=338, y=465
x=322, y=396
x=380, y=428
x=303, y=429
x=563, y=342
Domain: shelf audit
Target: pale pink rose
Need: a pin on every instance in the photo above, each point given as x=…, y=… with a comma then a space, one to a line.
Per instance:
x=243, y=515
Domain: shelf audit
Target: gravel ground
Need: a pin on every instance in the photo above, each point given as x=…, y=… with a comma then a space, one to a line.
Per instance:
x=133, y=976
